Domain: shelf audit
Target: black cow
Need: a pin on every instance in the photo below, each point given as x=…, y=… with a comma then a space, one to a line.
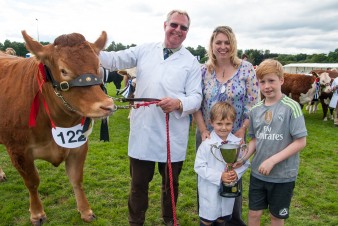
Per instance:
x=113, y=76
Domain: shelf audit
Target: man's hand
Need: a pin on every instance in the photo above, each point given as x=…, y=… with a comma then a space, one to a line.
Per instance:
x=169, y=104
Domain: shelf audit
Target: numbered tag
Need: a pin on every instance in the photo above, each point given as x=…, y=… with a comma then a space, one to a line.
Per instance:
x=69, y=137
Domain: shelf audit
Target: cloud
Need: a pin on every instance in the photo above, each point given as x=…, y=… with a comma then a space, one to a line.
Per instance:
x=289, y=26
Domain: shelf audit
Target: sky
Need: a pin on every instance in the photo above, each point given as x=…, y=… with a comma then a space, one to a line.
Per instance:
x=280, y=26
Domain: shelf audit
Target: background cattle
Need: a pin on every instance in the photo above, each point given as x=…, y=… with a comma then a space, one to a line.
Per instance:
x=44, y=101
x=129, y=78
x=302, y=88
x=114, y=76
x=325, y=97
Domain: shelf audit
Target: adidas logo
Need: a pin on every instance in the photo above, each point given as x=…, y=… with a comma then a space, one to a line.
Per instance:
x=283, y=212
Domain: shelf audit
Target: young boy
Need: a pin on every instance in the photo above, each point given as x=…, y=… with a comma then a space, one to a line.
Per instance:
x=213, y=208
x=278, y=133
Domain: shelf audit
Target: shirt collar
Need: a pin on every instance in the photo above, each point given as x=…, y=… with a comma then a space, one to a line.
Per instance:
x=172, y=50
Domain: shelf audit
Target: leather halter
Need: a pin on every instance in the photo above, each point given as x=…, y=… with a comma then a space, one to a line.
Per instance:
x=82, y=80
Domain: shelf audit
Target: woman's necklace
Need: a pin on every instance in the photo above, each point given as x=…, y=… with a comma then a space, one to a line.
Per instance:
x=223, y=85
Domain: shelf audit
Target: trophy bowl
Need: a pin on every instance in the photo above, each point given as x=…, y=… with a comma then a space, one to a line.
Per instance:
x=230, y=154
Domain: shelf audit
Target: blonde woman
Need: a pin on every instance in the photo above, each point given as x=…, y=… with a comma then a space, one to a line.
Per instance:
x=225, y=77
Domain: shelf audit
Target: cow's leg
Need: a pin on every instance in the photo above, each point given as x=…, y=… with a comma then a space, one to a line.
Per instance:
x=315, y=106
x=2, y=175
x=74, y=167
x=331, y=113
x=308, y=107
x=27, y=169
x=325, y=108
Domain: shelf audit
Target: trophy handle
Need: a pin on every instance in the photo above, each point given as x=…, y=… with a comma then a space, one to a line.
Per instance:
x=243, y=151
x=212, y=147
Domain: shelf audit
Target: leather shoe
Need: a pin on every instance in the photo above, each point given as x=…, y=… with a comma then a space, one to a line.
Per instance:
x=170, y=223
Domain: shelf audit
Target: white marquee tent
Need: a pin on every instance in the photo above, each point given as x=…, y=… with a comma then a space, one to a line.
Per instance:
x=306, y=68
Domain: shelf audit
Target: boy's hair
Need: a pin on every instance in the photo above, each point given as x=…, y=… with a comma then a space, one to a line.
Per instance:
x=269, y=66
x=224, y=110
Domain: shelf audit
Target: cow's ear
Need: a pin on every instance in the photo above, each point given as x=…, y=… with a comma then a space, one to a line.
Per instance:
x=100, y=43
x=32, y=45
x=40, y=51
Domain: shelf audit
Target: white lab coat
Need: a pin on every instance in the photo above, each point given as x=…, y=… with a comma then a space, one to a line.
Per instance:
x=334, y=99
x=209, y=170
x=179, y=76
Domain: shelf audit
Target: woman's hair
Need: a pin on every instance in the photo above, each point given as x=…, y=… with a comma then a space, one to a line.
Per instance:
x=181, y=12
x=211, y=63
x=224, y=110
x=269, y=66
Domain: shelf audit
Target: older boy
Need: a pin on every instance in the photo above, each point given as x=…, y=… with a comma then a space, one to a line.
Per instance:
x=278, y=133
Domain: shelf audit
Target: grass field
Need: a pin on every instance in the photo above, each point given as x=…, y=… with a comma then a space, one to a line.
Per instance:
x=106, y=182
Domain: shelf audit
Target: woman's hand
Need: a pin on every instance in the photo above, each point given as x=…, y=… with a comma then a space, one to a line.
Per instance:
x=205, y=134
x=240, y=134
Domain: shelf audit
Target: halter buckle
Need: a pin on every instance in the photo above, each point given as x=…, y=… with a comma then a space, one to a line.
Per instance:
x=64, y=86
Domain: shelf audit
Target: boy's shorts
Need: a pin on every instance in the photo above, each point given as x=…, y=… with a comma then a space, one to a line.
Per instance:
x=276, y=196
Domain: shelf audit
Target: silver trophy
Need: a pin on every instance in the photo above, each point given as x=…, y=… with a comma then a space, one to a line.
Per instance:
x=231, y=153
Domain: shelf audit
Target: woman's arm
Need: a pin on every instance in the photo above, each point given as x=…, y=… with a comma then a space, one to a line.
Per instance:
x=201, y=125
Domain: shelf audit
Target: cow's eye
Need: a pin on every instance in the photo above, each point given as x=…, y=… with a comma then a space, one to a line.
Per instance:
x=63, y=71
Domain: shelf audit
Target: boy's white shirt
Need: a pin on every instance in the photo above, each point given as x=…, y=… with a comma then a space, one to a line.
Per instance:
x=209, y=170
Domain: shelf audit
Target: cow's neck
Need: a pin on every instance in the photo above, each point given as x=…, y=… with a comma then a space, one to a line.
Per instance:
x=59, y=112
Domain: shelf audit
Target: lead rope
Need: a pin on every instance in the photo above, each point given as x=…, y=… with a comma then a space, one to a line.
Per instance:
x=172, y=193
x=171, y=184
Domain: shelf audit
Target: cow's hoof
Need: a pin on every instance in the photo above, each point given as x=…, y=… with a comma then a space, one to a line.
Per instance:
x=39, y=222
x=2, y=176
x=89, y=217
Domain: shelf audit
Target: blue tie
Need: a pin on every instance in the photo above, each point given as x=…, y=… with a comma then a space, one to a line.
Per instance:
x=166, y=53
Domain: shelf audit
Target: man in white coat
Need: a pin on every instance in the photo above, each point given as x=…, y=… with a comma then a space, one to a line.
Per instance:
x=334, y=99
x=176, y=81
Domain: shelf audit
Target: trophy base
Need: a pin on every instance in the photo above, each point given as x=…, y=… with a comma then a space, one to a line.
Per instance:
x=231, y=191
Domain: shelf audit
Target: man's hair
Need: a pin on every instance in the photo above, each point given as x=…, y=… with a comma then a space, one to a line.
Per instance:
x=269, y=66
x=181, y=12
x=226, y=30
x=224, y=110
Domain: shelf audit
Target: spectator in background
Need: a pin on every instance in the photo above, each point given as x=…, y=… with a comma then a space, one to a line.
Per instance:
x=244, y=57
x=10, y=51
x=226, y=78
x=334, y=99
x=167, y=71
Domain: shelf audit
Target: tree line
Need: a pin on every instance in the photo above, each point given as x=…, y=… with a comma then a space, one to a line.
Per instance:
x=254, y=56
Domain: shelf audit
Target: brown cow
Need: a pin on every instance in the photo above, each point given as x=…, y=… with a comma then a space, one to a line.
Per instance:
x=325, y=97
x=71, y=91
x=301, y=87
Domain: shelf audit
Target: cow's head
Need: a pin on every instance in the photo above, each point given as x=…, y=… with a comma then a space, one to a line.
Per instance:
x=69, y=58
x=325, y=81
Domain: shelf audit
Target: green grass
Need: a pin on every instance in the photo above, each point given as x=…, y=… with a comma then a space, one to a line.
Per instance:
x=106, y=182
